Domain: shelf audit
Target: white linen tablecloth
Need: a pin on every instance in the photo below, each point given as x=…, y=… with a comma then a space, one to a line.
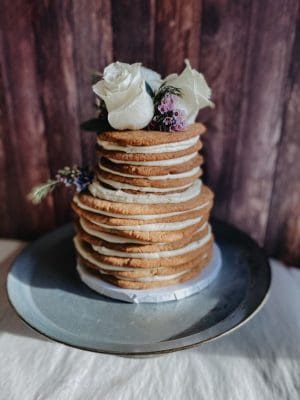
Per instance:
x=258, y=361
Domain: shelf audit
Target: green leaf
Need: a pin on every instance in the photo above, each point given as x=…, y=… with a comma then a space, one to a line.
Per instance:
x=149, y=89
x=96, y=77
x=95, y=125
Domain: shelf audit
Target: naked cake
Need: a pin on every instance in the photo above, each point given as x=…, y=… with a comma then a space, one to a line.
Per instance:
x=142, y=215
x=144, y=221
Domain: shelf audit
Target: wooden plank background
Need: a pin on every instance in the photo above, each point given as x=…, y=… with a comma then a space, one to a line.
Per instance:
x=249, y=51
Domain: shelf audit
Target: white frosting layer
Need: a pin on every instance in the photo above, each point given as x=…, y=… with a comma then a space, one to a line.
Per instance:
x=116, y=238
x=102, y=266
x=105, y=268
x=107, y=236
x=143, y=217
x=165, y=226
x=160, y=148
x=158, y=163
x=154, y=278
x=147, y=189
x=97, y=190
x=185, y=174
x=168, y=253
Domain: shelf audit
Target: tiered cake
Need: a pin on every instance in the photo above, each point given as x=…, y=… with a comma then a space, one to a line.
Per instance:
x=144, y=221
x=142, y=214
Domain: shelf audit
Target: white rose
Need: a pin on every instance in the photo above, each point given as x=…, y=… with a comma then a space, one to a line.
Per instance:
x=152, y=78
x=124, y=93
x=195, y=91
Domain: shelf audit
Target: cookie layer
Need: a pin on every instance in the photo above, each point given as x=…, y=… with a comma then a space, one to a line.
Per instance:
x=143, y=157
x=147, y=275
x=117, y=244
x=97, y=205
x=99, y=220
x=170, y=261
x=155, y=236
x=131, y=284
x=90, y=261
x=111, y=179
x=150, y=138
x=142, y=253
x=152, y=170
x=159, y=148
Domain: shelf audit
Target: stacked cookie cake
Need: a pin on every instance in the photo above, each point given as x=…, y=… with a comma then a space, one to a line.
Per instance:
x=144, y=221
x=142, y=213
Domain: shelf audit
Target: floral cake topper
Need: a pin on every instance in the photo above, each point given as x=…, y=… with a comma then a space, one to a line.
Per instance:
x=131, y=96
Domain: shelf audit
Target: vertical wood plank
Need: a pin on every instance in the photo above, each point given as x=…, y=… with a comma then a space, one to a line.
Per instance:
x=283, y=233
x=22, y=124
x=7, y=226
x=225, y=29
x=56, y=75
x=251, y=100
x=269, y=53
x=133, y=30
x=177, y=34
x=93, y=51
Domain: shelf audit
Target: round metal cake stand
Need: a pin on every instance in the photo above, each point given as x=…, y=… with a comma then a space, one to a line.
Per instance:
x=47, y=294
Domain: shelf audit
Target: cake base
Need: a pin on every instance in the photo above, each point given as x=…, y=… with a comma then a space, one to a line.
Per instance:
x=168, y=293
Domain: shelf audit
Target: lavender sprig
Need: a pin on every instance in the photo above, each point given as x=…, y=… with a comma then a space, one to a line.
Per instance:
x=78, y=177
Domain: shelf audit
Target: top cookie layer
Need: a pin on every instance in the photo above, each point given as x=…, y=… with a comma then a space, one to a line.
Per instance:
x=150, y=138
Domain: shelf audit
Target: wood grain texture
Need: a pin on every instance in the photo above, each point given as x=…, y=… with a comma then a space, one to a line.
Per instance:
x=177, y=34
x=251, y=98
x=224, y=38
x=7, y=227
x=270, y=42
x=133, y=30
x=23, y=133
x=56, y=75
x=283, y=233
x=92, y=52
x=248, y=52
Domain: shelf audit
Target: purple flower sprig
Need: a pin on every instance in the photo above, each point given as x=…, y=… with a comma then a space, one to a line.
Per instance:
x=167, y=116
x=78, y=177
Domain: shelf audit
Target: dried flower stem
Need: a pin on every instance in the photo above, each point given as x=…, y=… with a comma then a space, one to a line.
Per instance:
x=78, y=177
x=39, y=192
